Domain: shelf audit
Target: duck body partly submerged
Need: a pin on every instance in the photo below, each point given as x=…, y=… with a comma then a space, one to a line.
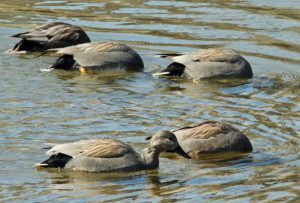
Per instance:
x=212, y=137
x=49, y=36
x=208, y=63
x=107, y=155
x=99, y=56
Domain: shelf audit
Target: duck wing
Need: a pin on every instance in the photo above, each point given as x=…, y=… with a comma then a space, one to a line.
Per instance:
x=216, y=55
x=43, y=32
x=204, y=130
x=97, y=53
x=97, y=148
x=56, y=34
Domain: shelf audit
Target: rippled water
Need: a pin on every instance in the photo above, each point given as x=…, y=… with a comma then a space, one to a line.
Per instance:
x=38, y=107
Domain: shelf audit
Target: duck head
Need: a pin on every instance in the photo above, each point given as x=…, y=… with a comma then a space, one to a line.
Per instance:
x=166, y=141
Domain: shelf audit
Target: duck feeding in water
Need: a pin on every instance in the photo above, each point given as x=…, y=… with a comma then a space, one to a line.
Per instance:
x=208, y=63
x=211, y=137
x=49, y=36
x=107, y=155
x=97, y=56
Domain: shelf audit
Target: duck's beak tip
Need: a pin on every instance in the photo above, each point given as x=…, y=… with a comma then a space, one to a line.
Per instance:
x=180, y=151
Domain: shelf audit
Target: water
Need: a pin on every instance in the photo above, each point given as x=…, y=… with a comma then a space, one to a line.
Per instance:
x=58, y=106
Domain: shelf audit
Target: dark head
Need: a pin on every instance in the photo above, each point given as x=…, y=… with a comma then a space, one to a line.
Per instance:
x=174, y=69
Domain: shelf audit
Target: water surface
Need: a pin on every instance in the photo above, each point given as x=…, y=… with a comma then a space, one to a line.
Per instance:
x=58, y=106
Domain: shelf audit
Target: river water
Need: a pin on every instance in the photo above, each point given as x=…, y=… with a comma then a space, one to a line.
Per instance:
x=41, y=107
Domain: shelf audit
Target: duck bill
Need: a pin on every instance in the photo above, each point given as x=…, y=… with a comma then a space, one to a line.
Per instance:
x=180, y=151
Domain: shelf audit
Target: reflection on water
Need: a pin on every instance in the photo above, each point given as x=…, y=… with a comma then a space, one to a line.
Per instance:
x=63, y=106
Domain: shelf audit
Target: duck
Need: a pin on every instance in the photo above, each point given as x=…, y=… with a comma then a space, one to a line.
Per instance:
x=109, y=155
x=49, y=36
x=99, y=55
x=211, y=137
x=206, y=64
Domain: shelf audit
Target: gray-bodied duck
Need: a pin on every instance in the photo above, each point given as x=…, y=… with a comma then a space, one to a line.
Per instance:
x=212, y=137
x=107, y=155
x=208, y=63
x=49, y=36
x=98, y=56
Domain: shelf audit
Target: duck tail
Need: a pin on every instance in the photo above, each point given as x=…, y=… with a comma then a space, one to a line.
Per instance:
x=55, y=161
x=174, y=69
x=65, y=62
x=26, y=45
x=168, y=55
x=40, y=165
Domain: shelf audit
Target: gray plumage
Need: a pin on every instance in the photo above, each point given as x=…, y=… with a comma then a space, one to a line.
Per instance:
x=104, y=54
x=105, y=155
x=49, y=36
x=209, y=63
x=211, y=137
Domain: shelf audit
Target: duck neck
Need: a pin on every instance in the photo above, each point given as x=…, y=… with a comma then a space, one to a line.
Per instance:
x=150, y=158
